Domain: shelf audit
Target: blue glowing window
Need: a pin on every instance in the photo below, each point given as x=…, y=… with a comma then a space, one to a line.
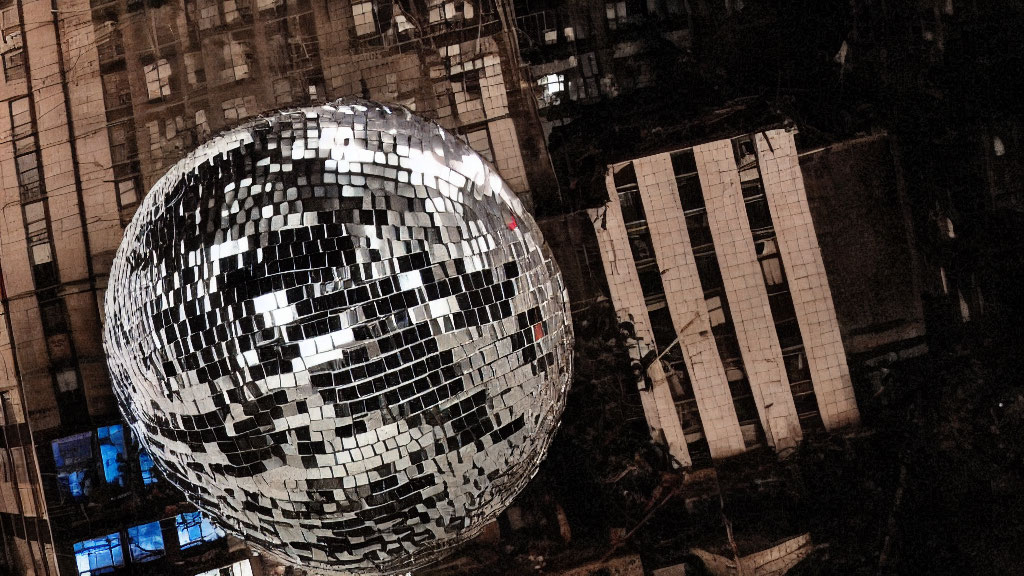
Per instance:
x=149, y=475
x=74, y=459
x=113, y=453
x=194, y=529
x=146, y=542
x=99, y=556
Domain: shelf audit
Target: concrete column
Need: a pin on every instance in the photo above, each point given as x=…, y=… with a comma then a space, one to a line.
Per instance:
x=628, y=299
x=808, y=283
x=746, y=293
x=686, y=304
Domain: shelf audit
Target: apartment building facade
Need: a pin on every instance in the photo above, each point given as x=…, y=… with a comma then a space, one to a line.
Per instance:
x=99, y=98
x=715, y=269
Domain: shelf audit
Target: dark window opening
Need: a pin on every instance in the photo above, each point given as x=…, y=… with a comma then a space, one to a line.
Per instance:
x=709, y=273
x=789, y=333
x=624, y=175
x=684, y=163
x=632, y=207
x=471, y=84
x=759, y=216
x=641, y=245
x=699, y=229
x=650, y=282
x=55, y=319
x=661, y=325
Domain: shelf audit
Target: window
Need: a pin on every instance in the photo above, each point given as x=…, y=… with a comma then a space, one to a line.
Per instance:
x=127, y=192
x=788, y=332
x=116, y=90
x=28, y=175
x=471, y=84
x=10, y=23
x=746, y=158
x=699, y=230
x=99, y=556
x=550, y=36
x=796, y=367
x=55, y=320
x=632, y=207
x=661, y=325
x=650, y=282
x=690, y=195
x=35, y=225
x=148, y=468
x=122, y=142
x=684, y=163
x=67, y=380
x=194, y=529
x=158, y=79
x=145, y=542
x=615, y=13
x=641, y=245
x=716, y=313
x=14, y=64
x=21, y=117
x=551, y=85
x=448, y=11
x=39, y=250
x=709, y=273
x=73, y=458
x=113, y=453
x=759, y=216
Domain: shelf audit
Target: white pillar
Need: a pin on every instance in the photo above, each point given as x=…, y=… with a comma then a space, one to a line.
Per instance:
x=685, y=299
x=628, y=300
x=808, y=283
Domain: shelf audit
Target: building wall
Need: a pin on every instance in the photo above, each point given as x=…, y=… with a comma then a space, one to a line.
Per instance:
x=99, y=98
x=863, y=229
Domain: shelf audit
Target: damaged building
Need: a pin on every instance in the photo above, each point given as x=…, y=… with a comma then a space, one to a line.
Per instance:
x=755, y=282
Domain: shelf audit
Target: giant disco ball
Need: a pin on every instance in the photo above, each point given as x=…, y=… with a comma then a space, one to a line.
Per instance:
x=337, y=330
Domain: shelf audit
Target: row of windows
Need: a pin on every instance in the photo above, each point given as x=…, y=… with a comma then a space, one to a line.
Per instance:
x=145, y=543
x=87, y=461
x=36, y=218
x=380, y=17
